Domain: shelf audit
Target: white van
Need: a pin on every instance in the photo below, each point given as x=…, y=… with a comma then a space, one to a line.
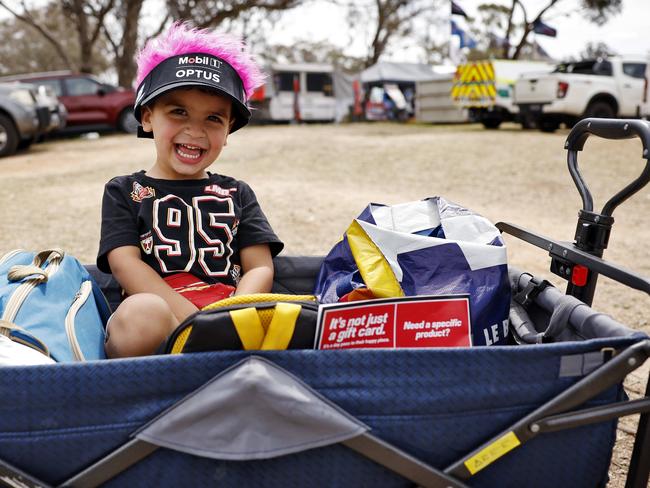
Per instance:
x=296, y=92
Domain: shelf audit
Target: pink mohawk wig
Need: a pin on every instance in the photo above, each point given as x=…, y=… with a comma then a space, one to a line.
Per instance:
x=181, y=38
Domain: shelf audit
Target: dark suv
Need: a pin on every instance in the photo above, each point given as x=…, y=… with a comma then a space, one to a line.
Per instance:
x=90, y=103
x=21, y=118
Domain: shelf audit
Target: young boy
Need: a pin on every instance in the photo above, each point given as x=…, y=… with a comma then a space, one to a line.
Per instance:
x=177, y=217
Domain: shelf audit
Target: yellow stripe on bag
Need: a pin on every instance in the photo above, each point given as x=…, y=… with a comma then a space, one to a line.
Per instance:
x=374, y=268
x=248, y=326
x=282, y=326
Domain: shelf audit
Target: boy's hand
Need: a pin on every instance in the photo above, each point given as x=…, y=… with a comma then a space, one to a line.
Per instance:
x=257, y=265
x=136, y=276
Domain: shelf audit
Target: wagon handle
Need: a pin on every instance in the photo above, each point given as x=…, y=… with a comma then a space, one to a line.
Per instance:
x=608, y=129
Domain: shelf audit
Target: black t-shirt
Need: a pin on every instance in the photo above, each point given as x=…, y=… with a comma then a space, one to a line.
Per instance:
x=193, y=226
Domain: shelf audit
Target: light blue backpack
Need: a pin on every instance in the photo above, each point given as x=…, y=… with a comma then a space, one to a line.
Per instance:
x=49, y=302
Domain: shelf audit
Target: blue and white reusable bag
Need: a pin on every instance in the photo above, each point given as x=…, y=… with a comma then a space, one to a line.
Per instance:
x=428, y=247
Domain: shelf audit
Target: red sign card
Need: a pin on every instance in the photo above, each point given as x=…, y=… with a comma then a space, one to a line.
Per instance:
x=422, y=322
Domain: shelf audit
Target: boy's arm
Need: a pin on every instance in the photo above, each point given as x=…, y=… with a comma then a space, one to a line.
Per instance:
x=136, y=276
x=257, y=265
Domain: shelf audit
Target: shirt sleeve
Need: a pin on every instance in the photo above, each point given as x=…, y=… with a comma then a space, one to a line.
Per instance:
x=119, y=223
x=254, y=227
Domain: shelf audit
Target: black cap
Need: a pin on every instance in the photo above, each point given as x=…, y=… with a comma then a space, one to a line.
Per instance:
x=193, y=69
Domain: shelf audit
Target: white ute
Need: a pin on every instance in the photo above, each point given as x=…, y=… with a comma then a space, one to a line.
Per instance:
x=612, y=87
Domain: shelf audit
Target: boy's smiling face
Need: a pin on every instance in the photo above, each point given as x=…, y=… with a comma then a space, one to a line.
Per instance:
x=190, y=128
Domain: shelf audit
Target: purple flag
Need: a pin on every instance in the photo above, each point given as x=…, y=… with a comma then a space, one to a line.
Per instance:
x=540, y=27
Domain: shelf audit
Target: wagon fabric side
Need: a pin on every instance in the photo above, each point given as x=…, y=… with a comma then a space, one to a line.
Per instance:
x=436, y=405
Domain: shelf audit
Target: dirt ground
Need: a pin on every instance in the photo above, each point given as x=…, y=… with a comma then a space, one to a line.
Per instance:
x=312, y=180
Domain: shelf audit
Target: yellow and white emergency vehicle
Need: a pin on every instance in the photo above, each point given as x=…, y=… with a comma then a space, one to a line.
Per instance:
x=485, y=88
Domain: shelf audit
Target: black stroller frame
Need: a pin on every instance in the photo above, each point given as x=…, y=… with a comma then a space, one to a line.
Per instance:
x=580, y=262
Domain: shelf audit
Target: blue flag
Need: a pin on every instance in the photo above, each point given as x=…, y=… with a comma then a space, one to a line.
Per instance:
x=543, y=29
x=465, y=39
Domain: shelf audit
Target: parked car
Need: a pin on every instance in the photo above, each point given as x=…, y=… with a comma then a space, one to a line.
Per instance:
x=606, y=88
x=21, y=117
x=45, y=96
x=90, y=103
x=52, y=114
x=645, y=98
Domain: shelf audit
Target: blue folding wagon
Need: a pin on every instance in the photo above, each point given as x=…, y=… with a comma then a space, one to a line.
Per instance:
x=541, y=412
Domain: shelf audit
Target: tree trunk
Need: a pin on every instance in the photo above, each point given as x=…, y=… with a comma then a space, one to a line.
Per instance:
x=125, y=62
x=506, y=41
x=85, y=47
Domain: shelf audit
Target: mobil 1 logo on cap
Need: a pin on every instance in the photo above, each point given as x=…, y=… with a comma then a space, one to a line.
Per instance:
x=198, y=67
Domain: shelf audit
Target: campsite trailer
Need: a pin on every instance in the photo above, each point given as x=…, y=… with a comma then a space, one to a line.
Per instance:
x=432, y=101
x=296, y=92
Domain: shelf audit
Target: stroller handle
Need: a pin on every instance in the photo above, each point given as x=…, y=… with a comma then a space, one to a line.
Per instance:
x=608, y=129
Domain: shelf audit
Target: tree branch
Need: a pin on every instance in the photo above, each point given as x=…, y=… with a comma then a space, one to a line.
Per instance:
x=213, y=15
x=28, y=19
x=160, y=28
x=107, y=7
x=109, y=38
x=528, y=27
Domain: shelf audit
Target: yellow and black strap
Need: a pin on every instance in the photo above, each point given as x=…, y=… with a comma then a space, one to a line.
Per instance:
x=249, y=322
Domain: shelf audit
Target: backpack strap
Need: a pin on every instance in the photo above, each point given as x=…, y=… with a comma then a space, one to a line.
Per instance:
x=48, y=255
x=21, y=336
x=51, y=257
x=259, y=297
x=264, y=328
x=31, y=276
x=20, y=272
x=6, y=327
x=248, y=325
x=282, y=326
